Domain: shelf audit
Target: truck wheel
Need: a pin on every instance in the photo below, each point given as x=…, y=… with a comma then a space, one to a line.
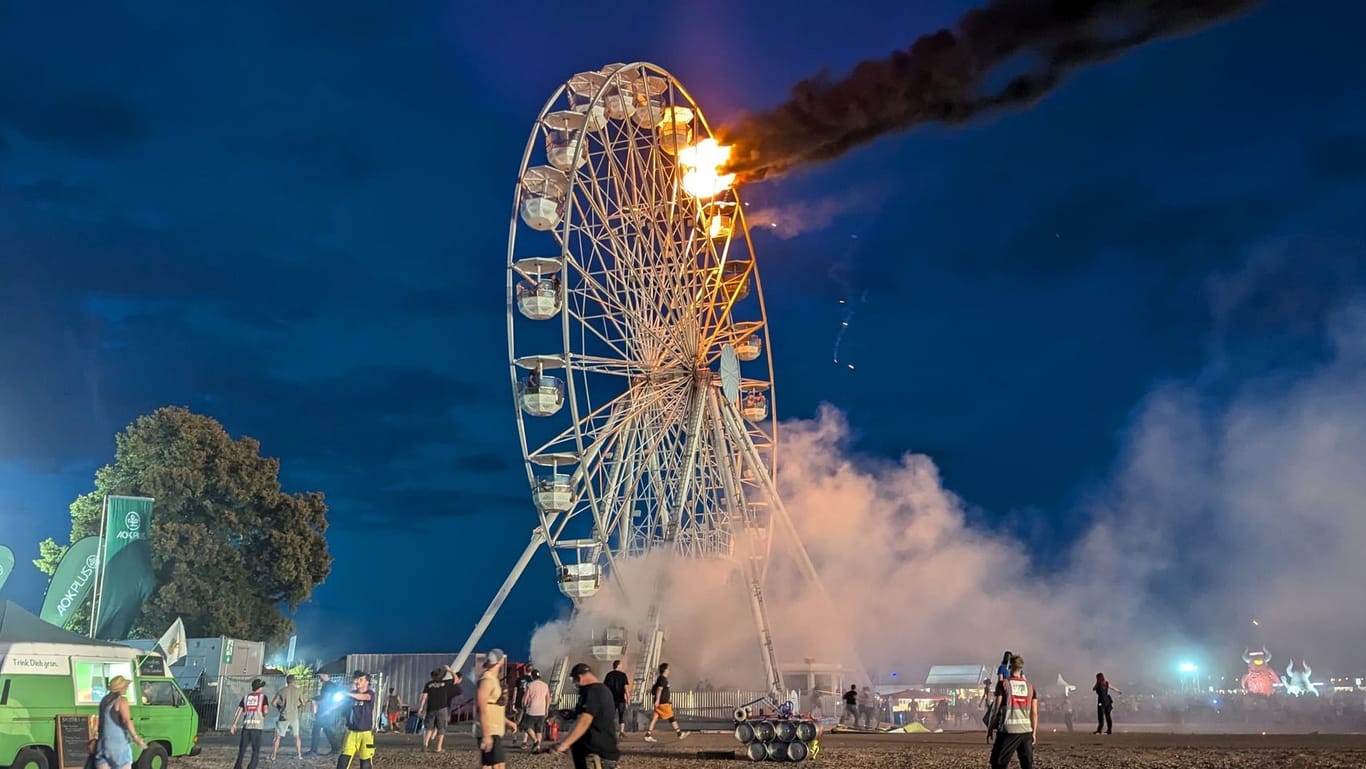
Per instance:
x=31, y=758
x=153, y=757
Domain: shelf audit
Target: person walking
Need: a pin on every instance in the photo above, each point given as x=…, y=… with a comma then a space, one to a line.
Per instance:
x=360, y=724
x=114, y=745
x=491, y=700
x=393, y=710
x=289, y=704
x=535, y=708
x=592, y=741
x=438, y=696
x=663, y=706
x=251, y=711
x=1018, y=704
x=620, y=686
x=851, y=705
x=1105, y=704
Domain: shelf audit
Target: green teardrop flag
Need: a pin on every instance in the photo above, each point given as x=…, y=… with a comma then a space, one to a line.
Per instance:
x=71, y=582
x=6, y=564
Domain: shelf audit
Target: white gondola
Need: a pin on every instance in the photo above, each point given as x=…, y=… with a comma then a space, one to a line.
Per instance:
x=542, y=197
x=540, y=395
x=675, y=129
x=609, y=644
x=754, y=406
x=563, y=130
x=617, y=99
x=580, y=580
x=749, y=348
x=539, y=294
x=554, y=493
x=735, y=279
x=718, y=218
x=648, y=93
x=582, y=88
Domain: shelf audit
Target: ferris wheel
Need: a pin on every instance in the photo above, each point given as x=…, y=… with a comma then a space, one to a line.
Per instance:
x=638, y=344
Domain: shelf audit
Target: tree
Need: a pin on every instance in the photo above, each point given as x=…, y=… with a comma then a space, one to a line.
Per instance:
x=231, y=551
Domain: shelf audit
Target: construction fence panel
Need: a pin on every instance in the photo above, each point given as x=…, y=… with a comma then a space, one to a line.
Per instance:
x=218, y=699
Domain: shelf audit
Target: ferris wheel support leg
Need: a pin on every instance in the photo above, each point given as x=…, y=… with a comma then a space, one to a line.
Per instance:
x=537, y=539
x=804, y=564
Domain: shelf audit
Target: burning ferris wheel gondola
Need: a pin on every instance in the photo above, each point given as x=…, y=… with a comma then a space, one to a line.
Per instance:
x=637, y=335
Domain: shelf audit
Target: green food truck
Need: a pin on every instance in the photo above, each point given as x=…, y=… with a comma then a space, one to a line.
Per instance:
x=51, y=684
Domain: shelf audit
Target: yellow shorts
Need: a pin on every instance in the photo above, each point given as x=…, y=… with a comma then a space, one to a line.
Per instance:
x=664, y=711
x=359, y=744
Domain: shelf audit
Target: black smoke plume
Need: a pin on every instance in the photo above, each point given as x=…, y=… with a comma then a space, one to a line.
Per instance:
x=946, y=77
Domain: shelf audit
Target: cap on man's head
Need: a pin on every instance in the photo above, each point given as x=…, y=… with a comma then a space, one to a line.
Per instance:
x=580, y=669
x=494, y=657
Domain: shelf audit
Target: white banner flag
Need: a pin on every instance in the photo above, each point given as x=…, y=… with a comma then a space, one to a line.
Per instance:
x=173, y=642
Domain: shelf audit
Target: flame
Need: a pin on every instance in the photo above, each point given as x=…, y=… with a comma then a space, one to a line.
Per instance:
x=701, y=164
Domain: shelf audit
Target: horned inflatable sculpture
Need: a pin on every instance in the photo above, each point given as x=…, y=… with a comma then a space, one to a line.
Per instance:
x=1297, y=682
x=1259, y=679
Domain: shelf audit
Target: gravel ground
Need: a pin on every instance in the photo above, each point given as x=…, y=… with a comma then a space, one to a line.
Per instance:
x=883, y=751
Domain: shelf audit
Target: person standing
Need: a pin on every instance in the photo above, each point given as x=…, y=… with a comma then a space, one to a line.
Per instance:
x=114, y=745
x=1018, y=704
x=620, y=686
x=289, y=702
x=592, y=741
x=663, y=706
x=1067, y=711
x=491, y=699
x=438, y=696
x=252, y=712
x=1105, y=704
x=535, y=708
x=323, y=708
x=865, y=708
x=360, y=724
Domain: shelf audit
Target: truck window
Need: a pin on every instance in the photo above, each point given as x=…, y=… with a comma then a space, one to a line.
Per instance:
x=91, y=678
x=160, y=693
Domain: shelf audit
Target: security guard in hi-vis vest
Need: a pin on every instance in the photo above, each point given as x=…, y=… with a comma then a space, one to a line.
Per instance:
x=360, y=724
x=1017, y=706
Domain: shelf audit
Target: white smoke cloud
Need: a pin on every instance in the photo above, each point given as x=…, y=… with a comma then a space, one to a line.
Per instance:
x=1221, y=508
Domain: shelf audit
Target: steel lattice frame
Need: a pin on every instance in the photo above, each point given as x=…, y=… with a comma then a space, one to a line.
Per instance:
x=650, y=295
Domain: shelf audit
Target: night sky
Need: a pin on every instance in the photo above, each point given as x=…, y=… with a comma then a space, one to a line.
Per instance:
x=292, y=216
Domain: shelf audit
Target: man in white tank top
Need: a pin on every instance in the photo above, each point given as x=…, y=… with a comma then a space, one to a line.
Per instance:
x=491, y=700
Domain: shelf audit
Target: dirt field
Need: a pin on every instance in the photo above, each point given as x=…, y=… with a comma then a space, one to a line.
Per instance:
x=884, y=751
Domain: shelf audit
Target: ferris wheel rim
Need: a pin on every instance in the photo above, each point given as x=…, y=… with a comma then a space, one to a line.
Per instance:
x=565, y=258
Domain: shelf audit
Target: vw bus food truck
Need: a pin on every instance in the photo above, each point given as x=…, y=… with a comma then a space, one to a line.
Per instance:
x=51, y=684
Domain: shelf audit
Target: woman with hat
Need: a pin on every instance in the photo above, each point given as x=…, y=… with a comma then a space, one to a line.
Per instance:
x=114, y=746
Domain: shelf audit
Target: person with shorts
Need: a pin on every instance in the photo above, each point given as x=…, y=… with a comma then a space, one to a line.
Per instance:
x=393, y=710
x=592, y=740
x=360, y=724
x=289, y=703
x=663, y=707
x=620, y=686
x=438, y=696
x=535, y=708
x=114, y=745
x=491, y=700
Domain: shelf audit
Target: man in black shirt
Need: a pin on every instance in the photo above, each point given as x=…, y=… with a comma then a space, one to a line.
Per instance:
x=592, y=742
x=620, y=686
x=663, y=706
x=438, y=696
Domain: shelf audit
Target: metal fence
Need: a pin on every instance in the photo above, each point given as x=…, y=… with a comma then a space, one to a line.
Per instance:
x=216, y=699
